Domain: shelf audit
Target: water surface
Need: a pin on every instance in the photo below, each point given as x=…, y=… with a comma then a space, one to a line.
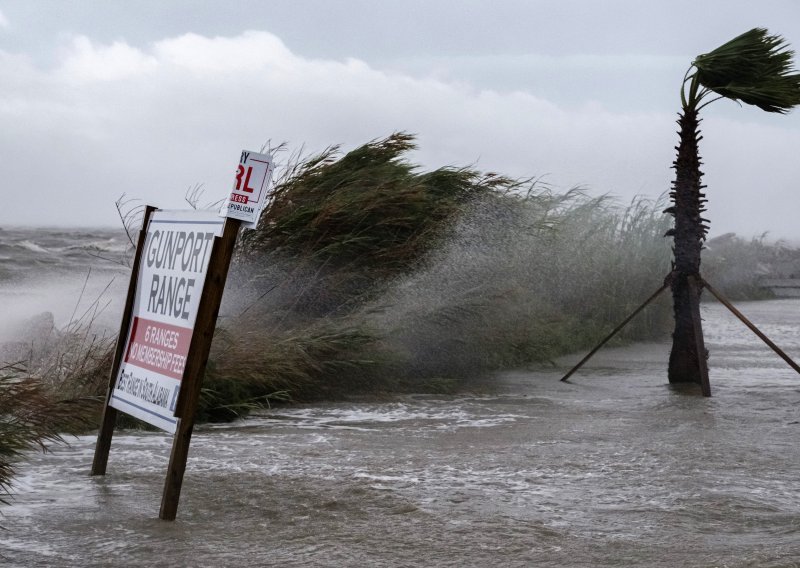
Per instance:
x=614, y=469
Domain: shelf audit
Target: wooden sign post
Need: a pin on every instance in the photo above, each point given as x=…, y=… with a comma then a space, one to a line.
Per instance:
x=196, y=364
x=170, y=314
x=109, y=416
x=177, y=280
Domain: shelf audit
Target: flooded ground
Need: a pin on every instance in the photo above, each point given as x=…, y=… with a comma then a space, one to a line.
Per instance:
x=614, y=469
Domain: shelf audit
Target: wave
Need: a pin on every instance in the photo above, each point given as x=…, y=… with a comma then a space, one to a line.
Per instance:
x=33, y=247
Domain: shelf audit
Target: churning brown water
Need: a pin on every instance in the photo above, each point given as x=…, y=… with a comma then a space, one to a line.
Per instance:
x=615, y=469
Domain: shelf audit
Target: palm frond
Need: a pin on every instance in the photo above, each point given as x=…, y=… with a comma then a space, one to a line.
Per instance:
x=754, y=68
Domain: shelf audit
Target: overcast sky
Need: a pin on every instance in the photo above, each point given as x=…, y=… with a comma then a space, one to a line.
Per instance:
x=149, y=98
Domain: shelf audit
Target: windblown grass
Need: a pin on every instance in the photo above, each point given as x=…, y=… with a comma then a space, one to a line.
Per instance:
x=526, y=279
x=519, y=274
x=32, y=416
x=53, y=388
x=360, y=218
x=367, y=274
x=320, y=361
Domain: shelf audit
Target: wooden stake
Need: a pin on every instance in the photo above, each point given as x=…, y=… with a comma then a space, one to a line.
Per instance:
x=752, y=327
x=109, y=418
x=615, y=331
x=196, y=361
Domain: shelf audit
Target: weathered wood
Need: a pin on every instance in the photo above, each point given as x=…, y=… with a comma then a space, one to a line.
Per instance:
x=752, y=327
x=196, y=361
x=615, y=331
x=109, y=418
x=700, y=345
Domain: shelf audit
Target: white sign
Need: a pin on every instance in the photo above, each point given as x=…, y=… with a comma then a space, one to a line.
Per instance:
x=172, y=273
x=250, y=188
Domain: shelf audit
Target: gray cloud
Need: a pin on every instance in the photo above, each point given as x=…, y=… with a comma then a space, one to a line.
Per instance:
x=153, y=120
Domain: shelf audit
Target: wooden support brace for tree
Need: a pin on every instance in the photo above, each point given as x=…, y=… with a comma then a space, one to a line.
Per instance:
x=752, y=327
x=616, y=330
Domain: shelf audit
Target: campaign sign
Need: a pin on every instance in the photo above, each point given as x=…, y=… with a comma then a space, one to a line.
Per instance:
x=250, y=188
x=172, y=273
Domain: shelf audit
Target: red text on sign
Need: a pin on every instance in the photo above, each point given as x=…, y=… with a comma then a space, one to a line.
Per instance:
x=241, y=172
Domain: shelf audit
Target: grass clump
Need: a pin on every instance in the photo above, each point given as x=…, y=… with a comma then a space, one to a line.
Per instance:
x=360, y=218
x=55, y=388
x=526, y=278
x=368, y=274
x=504, y=273
x=31, y=416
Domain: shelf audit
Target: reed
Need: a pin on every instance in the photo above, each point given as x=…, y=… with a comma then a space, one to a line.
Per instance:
x=368, y=274
x=362, y=217
x=519, y=274
x=32, y=416
x=525, y=279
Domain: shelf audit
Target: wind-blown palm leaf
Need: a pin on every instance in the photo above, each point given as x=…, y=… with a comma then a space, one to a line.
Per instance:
x=754, y=68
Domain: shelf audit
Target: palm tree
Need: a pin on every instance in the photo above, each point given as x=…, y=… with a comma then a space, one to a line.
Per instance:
x=754, y=68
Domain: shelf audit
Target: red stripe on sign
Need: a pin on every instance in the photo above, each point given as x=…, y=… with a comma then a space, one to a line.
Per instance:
x=158, y=347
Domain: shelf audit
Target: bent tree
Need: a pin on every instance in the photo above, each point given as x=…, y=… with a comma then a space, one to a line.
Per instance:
x=754, y=68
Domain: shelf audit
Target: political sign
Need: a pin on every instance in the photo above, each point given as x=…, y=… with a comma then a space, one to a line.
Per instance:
x=250, y=188
x=172, y=272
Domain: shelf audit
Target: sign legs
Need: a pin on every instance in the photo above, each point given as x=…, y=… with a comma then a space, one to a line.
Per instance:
x=109, y=418
x=196, y=361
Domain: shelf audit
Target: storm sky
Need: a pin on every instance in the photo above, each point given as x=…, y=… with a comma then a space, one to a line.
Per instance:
x=150, y=98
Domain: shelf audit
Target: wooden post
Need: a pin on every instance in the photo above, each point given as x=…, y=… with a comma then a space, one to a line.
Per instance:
x=196, y=361
x=752, y=327
x=700, y=345
x=109, y=418
x=615, y=331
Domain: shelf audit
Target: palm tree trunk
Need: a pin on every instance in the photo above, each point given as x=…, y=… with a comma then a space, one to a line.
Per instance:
x=689, y=233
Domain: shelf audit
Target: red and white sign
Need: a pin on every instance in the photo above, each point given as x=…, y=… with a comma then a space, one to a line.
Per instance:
x=250, y=188
x=172, y=272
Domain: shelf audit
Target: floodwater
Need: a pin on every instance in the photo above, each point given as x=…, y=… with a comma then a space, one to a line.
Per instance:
x=614, y=469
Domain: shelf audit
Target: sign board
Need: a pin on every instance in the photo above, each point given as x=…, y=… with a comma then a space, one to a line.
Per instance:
x=172, y=272
x=168, y=323
x=250, y=188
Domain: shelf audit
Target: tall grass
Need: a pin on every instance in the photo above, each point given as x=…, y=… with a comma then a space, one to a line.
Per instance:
x=519, y=274
x=31, y=416
x=525, y=279
x=368, y=274
x=53, y=388
x=360, y=218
